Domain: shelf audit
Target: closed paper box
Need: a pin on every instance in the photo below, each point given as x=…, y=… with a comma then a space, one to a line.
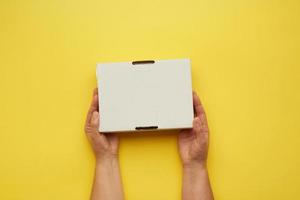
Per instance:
x=145, y=95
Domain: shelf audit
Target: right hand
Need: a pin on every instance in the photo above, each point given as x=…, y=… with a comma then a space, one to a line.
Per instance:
x=193, y=143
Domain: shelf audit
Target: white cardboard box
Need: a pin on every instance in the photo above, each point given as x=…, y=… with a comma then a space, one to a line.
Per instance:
x=145, y=95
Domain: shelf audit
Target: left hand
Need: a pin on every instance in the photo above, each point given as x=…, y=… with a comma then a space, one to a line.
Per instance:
x=105, y=146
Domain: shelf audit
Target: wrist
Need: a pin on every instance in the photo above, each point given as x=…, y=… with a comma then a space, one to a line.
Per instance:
x=195, y=172
x=107, y=159
x=194, y=166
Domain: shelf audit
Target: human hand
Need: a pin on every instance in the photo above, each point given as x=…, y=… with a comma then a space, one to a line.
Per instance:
x=105, y=146
x=193, y=143
x=107, y=181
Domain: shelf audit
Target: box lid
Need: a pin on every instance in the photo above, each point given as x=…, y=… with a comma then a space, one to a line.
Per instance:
x=145, y=95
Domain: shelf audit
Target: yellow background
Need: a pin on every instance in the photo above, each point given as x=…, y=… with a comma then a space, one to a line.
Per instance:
x=246, y=67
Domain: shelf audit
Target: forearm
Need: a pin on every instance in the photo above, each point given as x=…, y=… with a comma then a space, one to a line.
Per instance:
x=196, y=185
x=107, y=182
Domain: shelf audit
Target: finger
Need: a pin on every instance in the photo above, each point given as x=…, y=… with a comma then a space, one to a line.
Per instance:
x=202, y=125
x=93, y=107
x=200, y=129
x=94, y=103
x=199, y=109
x=94, y=133
x=102, y=138
x=95, y=121
x=196, y=124
x=91, y=128
x=197, y=104
x=95, y=91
